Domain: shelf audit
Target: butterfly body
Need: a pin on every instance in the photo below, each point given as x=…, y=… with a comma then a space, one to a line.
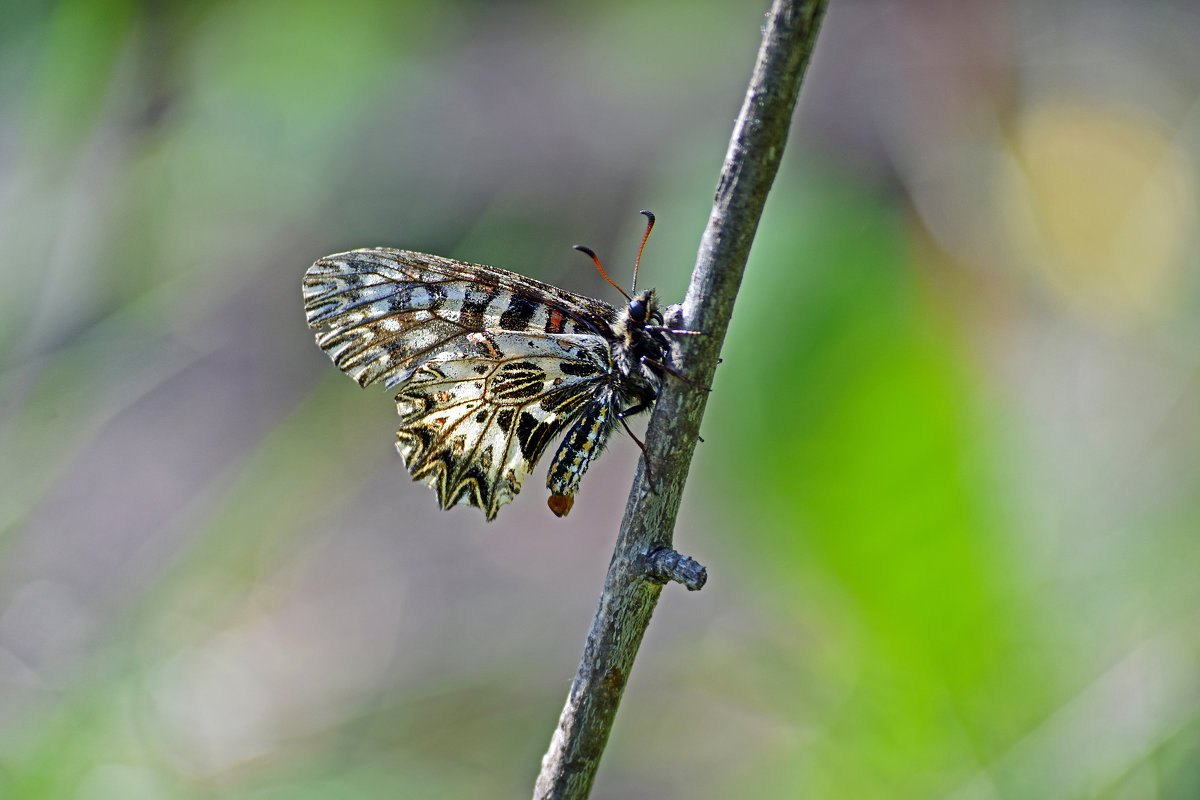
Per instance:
x=490, y=367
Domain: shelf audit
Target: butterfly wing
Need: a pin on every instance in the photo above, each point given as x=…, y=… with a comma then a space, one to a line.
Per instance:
x=473, y=425
x=490, y=366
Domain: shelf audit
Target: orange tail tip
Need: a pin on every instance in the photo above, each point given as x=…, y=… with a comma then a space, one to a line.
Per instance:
x=561, y=504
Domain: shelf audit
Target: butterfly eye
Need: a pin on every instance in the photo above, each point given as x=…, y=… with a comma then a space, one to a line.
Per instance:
x=637, y=309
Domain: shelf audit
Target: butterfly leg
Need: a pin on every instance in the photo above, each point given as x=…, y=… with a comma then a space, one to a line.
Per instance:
x=645, y=459
x=635, y=410
x=675, y=331
x=673, y=373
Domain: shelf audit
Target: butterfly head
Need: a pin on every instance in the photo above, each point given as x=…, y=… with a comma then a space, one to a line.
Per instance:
x=637, y=337
x=641, y=312
x=643, y=309
x=639, y=308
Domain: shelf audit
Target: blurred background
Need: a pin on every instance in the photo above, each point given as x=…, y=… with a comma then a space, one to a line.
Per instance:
x=949, y=498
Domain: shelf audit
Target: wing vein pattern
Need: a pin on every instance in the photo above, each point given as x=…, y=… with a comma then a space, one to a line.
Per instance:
x=489, y=367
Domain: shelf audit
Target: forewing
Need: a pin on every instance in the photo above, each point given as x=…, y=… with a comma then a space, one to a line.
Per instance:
x=382, y=312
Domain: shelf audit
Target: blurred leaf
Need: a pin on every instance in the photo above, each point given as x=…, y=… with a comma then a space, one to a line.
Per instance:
x=856, y=448
x=83, y=43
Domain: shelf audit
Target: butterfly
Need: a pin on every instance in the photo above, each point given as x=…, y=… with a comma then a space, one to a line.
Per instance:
x=490, y=367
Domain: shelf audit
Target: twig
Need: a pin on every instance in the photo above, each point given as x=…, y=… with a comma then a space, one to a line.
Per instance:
x=643, y=559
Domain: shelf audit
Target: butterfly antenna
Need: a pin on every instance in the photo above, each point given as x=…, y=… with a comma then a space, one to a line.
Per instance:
x=592, y=255
x=645, y=236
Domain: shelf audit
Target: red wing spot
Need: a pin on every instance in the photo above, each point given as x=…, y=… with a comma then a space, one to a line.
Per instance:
x=556, y=322
x=439, y=422
x=442, y=397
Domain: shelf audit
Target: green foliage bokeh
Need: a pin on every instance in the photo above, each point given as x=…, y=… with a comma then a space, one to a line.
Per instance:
x=949, y=511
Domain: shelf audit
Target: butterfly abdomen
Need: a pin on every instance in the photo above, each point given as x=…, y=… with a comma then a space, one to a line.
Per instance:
x=584, y=441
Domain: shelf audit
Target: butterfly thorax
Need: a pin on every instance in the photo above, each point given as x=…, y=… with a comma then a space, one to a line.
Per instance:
x=636, y=351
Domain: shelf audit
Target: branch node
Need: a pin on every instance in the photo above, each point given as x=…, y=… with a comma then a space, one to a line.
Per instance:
x=673, y=315
x=665, y=565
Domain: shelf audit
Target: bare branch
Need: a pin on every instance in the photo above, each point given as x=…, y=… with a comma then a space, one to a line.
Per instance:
x=643, y=558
